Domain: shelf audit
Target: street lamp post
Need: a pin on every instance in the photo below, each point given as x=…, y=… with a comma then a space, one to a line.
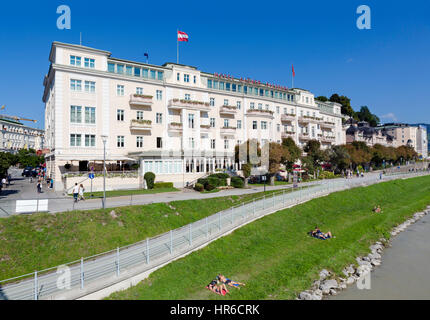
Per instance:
x=104, y=139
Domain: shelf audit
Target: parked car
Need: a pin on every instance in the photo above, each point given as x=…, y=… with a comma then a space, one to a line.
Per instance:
x=27, y=171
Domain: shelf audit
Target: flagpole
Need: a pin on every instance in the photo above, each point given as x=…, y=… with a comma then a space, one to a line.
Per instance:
x=177, y=47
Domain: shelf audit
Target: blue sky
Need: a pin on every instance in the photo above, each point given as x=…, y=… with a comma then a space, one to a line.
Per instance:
x=386, y=68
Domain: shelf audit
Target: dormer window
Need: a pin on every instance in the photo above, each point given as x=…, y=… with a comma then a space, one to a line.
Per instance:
x=186, y=78
x=75, y=61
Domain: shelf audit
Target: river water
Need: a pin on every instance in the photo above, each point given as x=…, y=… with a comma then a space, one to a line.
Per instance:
x=405, y=269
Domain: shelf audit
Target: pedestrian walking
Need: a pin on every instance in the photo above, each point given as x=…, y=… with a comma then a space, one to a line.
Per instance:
x=81, y=192
x=39, y=187
x=9, y=179
x=76, y=192
x=3, y=182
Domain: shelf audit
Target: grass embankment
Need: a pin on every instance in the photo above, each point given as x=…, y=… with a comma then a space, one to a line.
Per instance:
x=276, y=258
x=118, y=193
x=39, y=241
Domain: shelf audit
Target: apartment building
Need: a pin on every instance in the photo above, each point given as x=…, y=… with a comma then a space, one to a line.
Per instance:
x=15, y=136
x=363, y=132
x=174, y=119
x=405, y=134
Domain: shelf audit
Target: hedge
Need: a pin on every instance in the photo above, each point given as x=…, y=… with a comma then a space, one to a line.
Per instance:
x=158, y=185
x=237, y=182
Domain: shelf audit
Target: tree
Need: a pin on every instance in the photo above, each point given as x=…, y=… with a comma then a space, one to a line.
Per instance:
x=322, y=98
x=294, y=152
x=246, y=170
x=346, y=105
x=339, y=158
x=277, y=155
x=365, y=115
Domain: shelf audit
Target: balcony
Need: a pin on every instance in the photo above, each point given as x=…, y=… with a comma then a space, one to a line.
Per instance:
x=288, y=117
x=260, y=113
x=328, y=124
x=309, y=119
x=228, y=109
x=136, y=124
x=140, y=100
x=189, y=104
x=327, y=139
x=228, y=131
x=175, y=127
x=288, y=134
x=304, y=136
x=205, y=128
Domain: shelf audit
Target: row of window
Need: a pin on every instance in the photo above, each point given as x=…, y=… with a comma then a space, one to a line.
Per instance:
x=76, y=85
x=120, y=91
x=76, y=140
x=76, y=114
x=233, y=87
x=77, y=62
x=186, y=78
x=135, y=71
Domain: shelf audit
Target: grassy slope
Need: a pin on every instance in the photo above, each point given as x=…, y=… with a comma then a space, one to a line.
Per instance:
x=276, y=258
x=118, y=193
x=39, y=241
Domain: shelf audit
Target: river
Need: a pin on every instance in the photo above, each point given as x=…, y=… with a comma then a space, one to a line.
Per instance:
x=405, y=269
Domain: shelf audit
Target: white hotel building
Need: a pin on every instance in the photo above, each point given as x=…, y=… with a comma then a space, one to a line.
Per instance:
x=176, y=120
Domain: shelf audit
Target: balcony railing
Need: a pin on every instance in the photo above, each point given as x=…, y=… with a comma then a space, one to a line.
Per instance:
x=189, y=104
x=328, y=139
x=228, y=130
x=288, y=117
x=140, y=100
x=287, y=134
x=228, y=109
x=136, y=124
x=175, y=126
x=304, y=136
x=260, y=112
x=307, y=119
x=205, y=127
x=327, y=124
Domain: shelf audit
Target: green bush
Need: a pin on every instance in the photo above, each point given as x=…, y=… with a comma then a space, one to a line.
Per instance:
x=149, y=178
x=202, y=181
x=199, y=187
x=158, y=185
x=209, y=187
x=327, y=175
x=237, y=182
x=216, y=182
x=220, y=175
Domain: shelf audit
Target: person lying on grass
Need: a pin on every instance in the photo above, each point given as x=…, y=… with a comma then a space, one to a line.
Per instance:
x=317, y=233
x=217, y=287
x=229, y=282
x=377, y=209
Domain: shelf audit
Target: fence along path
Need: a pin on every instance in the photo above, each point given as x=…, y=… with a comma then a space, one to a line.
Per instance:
x=87, y=275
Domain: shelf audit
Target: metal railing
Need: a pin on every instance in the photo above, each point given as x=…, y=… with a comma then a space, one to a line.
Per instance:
x=82, y=277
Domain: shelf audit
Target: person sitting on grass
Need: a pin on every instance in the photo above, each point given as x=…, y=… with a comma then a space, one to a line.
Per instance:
x=317, y=233
x=229, y=282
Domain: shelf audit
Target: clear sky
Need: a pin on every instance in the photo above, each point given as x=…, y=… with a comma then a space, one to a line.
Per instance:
x=386, y=68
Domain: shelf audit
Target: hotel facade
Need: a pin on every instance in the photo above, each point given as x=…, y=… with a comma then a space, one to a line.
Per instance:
x=15, y=136
x=175, y=120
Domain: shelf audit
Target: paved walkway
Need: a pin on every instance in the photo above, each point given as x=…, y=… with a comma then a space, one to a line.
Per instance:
x=23, y=189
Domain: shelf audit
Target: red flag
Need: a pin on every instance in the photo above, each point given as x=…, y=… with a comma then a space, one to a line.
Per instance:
x=182, y=36
x=294, y=73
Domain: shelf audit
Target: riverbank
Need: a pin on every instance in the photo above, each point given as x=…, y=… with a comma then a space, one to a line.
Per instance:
x=404, y=272
x=276, y=258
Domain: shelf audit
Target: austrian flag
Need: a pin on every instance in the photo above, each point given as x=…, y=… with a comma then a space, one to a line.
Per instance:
x=182, y=36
